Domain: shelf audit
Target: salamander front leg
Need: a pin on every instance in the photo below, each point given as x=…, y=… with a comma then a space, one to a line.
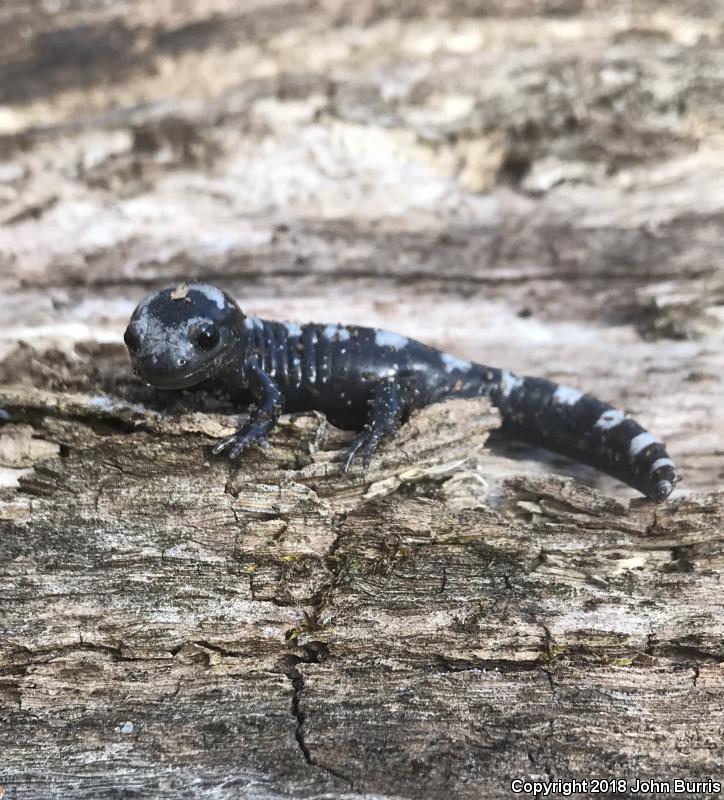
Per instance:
x=263, y=418
x=390, y=404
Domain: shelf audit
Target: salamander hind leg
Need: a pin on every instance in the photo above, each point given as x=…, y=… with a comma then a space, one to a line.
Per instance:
x=390, y=404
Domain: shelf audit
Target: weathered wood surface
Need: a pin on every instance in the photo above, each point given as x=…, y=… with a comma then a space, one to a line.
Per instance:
x=532, y=186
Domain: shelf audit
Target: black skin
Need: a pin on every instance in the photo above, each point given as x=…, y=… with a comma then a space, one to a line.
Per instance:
x=370, y=381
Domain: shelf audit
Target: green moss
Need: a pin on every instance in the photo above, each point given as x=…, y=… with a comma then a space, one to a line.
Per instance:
x=310, y=625
x=554, y=653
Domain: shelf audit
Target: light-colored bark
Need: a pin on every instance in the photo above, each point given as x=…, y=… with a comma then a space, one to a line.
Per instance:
x=538, y=189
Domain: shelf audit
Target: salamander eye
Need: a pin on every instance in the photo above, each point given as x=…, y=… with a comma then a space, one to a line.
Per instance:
x=132, y=339
x=208, y=337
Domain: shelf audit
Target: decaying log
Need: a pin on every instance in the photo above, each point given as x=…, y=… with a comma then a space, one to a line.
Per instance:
x=533, y=186
x=276, y=629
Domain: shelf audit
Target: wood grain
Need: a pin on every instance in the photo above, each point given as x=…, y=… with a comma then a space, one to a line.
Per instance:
x=533, y=186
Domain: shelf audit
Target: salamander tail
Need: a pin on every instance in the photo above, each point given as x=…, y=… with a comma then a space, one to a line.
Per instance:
x=567, y=421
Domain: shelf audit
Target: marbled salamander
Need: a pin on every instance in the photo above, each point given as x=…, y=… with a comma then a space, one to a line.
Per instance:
x=369, y=380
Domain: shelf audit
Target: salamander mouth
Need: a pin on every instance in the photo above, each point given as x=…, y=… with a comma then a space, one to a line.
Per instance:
x=175, y=380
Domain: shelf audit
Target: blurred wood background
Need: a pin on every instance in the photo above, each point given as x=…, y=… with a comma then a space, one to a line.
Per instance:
x=538, y=186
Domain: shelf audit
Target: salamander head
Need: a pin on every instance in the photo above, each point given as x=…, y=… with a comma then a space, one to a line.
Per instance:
x=181, y=336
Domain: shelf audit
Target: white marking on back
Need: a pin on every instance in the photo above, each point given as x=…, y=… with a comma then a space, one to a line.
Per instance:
x=211, y=293
x=310, y=353
x=638, y=443
x=452, y=362
x=610, y=419
x=567, y=395
x=336, y=332
x=393, y=340
x=509, y=383
x=661, y=462
x=252, y=323
x=293, y=329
